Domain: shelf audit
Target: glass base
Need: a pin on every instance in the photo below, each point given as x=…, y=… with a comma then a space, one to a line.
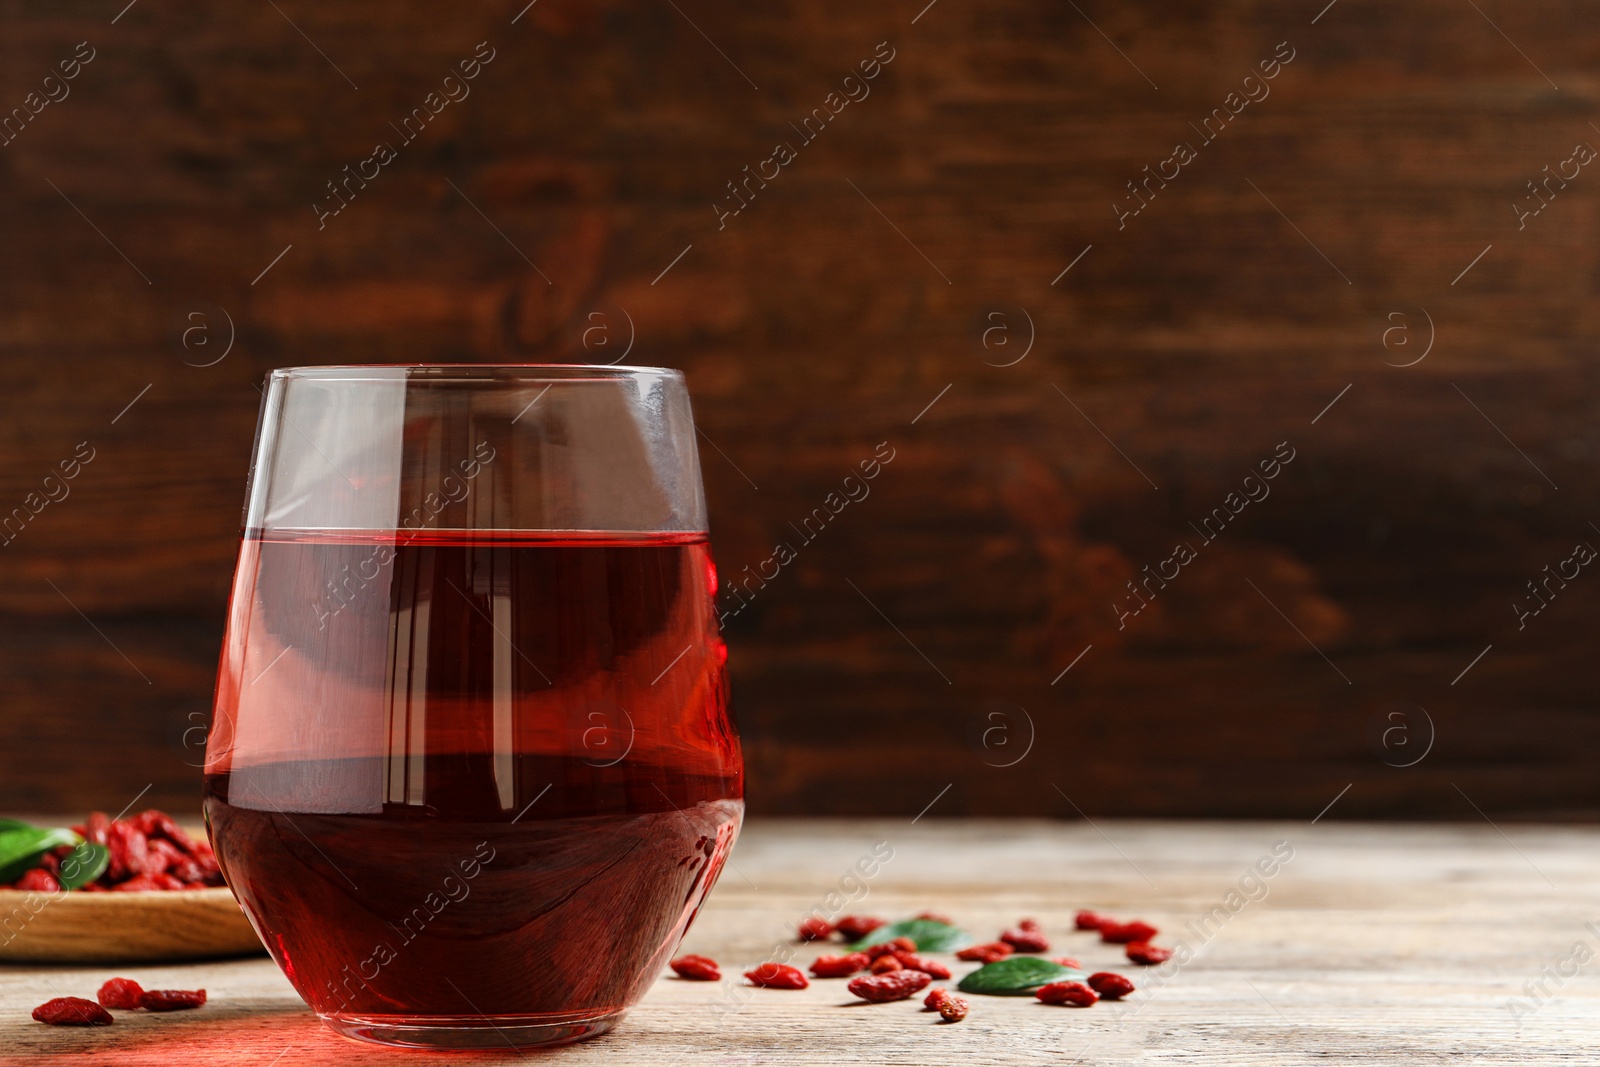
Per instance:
x=473, y=1032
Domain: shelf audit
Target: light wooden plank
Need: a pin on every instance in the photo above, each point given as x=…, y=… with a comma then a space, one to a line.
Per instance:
x=1372, y=945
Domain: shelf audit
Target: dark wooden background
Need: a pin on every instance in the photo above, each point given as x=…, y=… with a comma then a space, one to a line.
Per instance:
x=822, y=321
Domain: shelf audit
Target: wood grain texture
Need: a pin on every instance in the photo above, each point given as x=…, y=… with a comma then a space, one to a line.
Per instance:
x=141, y=927
x=1370, y=945
x=826, y=317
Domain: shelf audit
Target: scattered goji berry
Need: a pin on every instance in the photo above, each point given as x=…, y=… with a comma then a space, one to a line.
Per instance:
x=1147, y=954
x=814, y=929
x=1110, y=986
x=120, y=993
x=171, y=999
x=953, y=1009
x=1091, y=920
x=72, y=1011
x=899, y=944
x=840, y=966
x=913, y=962
x=896, y=985
x=777, y=976
x=936, y=917
x=696, y=968
x=1029, y=924
x=986, y=953
x=1125, y=933
x=1074, y=993
x=1068, y=961
x=1026, y=940
x=855, y=927
x=935, y=995
x=885, y=964
x=38, y=880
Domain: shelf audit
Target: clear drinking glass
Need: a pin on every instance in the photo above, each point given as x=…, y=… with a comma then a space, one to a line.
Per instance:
x=471, y=771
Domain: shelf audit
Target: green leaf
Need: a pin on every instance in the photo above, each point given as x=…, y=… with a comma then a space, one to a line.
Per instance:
x=929, y=935
x=84, y=864
x=1016, y=976
x=21, y=847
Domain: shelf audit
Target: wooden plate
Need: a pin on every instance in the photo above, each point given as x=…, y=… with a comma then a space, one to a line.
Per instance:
x=141, y=927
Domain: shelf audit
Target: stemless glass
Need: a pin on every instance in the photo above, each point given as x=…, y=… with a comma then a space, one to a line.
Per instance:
x=471, y=771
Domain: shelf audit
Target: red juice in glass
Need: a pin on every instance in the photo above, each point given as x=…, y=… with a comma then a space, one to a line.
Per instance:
x=473, y=784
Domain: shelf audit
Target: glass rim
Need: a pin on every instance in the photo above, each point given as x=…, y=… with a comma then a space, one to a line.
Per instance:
x=520, y=372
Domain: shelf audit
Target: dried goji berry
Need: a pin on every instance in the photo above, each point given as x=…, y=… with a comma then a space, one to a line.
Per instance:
x=896, y=985
x=200, y=867
x=1091, y=920
x=163, y=855
x=935, y=917
x=855, y=927
x=153, y=823
x=1068, y=961
x=1076, y=994
x=777, y=976
x=1125, y=933
x=1148, y=954
x=1026, y=940
x=986, y=953
x=72, y=1011
x=899, y=944
x=94, y=831
x=840, y=966
x=696, y=968
x=38, y=880
x=1110, y=986
x=935, y=995
x=128, y=849
x=912, y=962
x=1029, y=924
x=885, y=964
x=138, y=883
x=171, y=999
x=953, y=1009
x=190, y=873
x=814, y=929
x=120, y=993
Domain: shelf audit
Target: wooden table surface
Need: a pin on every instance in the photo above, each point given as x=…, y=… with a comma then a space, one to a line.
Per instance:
x=1373, y=944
